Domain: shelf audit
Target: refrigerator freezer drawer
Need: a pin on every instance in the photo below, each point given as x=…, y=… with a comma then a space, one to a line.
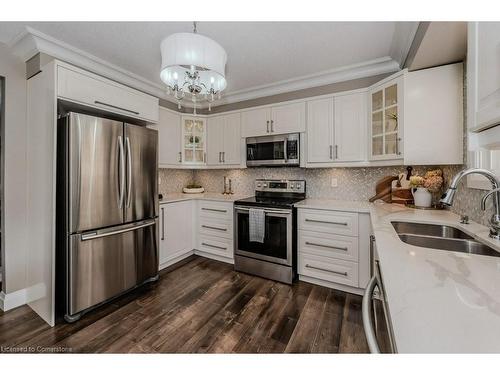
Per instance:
x=105, y=263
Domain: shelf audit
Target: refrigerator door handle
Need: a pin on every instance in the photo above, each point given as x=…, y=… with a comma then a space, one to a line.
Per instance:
x=108, y=232
x=129, y=171
x=122, y=171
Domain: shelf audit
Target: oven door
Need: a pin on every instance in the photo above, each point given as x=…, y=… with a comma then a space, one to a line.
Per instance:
x=273, y=150
x=277, y=245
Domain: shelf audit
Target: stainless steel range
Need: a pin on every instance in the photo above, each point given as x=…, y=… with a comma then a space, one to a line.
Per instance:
x=271, y=215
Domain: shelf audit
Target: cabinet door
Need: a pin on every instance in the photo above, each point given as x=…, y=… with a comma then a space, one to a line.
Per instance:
x=483, y=73
x=386, y=120
x=288, y=118
x=215, y=140
x=320, y=131
x=232, y=139
x=350, y=127
x=193, y=140
x=176, y=230
x=169, y=138
x=255, y=122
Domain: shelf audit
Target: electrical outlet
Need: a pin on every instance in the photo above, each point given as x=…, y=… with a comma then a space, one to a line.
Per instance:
x=333, y=182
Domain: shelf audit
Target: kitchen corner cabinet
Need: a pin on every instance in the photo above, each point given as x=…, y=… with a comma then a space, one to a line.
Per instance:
x=176, y=232
x=483, y=75
x=336, y=129
x=278, y=119
x=193, y=140
x=224, y=140
x=169, y=139
x=386, y=119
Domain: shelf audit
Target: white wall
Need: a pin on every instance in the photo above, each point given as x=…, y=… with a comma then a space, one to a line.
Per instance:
x=15, y=183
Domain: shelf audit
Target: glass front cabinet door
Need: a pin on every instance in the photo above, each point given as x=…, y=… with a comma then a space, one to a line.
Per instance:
x=193, y=140
x=386, y=120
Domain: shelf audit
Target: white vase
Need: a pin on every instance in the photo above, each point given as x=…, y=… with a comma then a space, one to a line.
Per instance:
x=422, y=197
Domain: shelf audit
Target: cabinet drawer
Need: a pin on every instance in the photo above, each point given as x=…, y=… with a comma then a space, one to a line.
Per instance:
x=87, y=88
x=216, y=210
x=216, y=245
x=335, y=222
x=328, y=269
x=329, y=245
x=215, y=227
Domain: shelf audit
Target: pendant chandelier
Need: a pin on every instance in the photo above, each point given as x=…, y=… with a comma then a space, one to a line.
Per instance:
x=193, y=68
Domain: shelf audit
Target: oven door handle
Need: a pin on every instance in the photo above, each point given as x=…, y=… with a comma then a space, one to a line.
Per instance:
x=281, y=212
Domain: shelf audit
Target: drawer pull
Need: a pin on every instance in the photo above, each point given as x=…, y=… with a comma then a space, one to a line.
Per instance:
x=324, y=269
x=216, y=228
x=213, y=209
x=214, y=246
x=326, y=222
x=327, y=246
x=115, y=107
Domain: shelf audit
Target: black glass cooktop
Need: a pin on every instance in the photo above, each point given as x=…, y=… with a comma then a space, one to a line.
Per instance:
x=272, y=202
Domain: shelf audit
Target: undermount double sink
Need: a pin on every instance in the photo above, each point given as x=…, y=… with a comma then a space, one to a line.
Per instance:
x=442, y=237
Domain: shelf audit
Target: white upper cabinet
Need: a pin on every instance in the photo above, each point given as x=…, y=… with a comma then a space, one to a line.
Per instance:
x=79, y=86
x=336, y=129
x=224, y=140
x=320, y=130
x=169, y=138
x=256, y=122
x=483, y=74
x=386, y=119
x=433, y=116
x=193, y=140
x=280, y=119
x=288, y=118
x=350, y=127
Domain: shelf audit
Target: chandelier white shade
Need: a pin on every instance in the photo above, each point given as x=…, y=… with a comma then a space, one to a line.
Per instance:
x=193, y=64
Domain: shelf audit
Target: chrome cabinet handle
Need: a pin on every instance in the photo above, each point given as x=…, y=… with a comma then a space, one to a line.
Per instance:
x=223, y=156
x=397, y=146
x=162, y=223
x=267, y=125
x=324, y=269
x=272, y=123
x=220, y=157
x=213, y=209
x=327, y=246
x=326, y=222
x=216, y=228
x=331, y=152
x=336, y=151
x=115, y=107
x=122, y=171
x=214, y=246
x=129, y=170
x=180, y=157
x=371, y=337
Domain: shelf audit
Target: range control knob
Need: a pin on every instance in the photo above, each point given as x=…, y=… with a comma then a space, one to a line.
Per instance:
x=292, y=186
x=265, y=185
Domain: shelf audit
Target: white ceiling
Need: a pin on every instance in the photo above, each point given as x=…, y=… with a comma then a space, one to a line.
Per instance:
x=259, y=53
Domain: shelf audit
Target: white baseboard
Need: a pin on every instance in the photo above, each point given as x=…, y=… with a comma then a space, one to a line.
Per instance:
x=328, y=284
x=176, y=259
x=215, y=257
x=12, y=300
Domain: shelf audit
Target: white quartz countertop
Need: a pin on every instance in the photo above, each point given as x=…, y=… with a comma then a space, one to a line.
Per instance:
x=218, y=197
x=336, y=205
x=439, y=301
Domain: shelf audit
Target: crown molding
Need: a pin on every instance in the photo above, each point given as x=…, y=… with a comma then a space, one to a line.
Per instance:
x=31, y=41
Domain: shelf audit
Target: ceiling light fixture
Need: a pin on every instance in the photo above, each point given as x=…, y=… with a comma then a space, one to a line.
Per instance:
x=193, y=65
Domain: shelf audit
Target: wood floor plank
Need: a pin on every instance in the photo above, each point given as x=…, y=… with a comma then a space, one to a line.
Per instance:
x=204, y=306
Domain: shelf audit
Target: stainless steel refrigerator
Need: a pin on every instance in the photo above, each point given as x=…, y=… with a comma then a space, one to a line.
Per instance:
x=107, y=210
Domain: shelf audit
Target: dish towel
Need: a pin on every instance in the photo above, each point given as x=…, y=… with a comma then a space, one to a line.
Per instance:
x=257, y=225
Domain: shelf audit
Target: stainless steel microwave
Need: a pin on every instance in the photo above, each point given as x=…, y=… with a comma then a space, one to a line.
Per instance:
x=273, y=150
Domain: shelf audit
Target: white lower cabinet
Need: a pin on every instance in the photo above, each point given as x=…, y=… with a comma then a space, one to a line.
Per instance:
x=175, y=232
x=333, y=248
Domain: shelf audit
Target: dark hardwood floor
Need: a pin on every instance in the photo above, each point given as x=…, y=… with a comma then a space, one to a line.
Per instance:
x=202, y=307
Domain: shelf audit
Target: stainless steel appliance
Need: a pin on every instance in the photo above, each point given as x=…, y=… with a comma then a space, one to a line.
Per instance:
x=375, y=312
x=107, y=211
x=276, y=257
x=274, y=150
